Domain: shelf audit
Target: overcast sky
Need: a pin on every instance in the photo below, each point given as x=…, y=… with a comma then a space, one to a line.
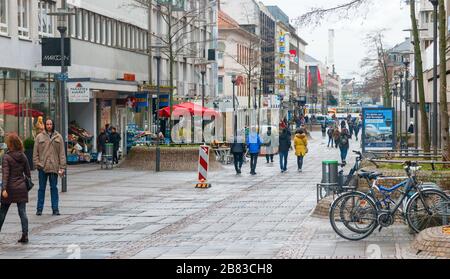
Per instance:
x=349, y=45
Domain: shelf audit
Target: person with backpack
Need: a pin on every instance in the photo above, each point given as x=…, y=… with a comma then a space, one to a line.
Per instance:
x=330, y=136
x=238, y=150
x=336, y=136
x=344, y=144
x=270, y=144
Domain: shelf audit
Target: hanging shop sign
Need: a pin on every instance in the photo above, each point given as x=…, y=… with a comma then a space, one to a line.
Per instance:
x=78, y=93
x=51, y=52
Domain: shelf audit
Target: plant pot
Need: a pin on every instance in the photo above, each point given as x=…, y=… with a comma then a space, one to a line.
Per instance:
x=29, y=154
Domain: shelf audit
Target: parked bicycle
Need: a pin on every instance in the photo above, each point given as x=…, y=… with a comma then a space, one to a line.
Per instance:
x=345, y=182
x=355, y=215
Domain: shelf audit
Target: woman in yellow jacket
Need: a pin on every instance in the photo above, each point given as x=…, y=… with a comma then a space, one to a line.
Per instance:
x=301, y=147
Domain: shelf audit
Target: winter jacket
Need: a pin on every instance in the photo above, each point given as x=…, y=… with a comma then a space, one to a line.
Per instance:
x=271, y=140
x=115, y=138
x=344, y=138
x=254, y=143
x=102, y=139
x=285, y=142
x=237, y=147
x=49, y=153
x=14, y=166
x=300, y=144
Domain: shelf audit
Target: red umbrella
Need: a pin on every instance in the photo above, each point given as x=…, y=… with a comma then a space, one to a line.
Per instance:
x=191, y=107
x=18, y=110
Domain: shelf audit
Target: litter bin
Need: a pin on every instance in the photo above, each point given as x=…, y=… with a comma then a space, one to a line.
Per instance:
x=330, y=172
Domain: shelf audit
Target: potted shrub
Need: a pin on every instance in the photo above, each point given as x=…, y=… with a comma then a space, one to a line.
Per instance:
x=28, y=145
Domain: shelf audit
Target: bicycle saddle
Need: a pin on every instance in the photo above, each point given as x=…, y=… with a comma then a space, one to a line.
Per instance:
x=369, y=174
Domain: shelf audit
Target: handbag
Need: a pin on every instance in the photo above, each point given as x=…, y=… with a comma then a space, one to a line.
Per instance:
x=28, y=183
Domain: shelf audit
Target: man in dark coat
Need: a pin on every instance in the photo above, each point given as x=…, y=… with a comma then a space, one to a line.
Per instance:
x=102, y=139
x=284, y=146
x=238, y=150
x=115, y=138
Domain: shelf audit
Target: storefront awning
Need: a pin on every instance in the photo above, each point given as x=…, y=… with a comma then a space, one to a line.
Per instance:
x=107, y=85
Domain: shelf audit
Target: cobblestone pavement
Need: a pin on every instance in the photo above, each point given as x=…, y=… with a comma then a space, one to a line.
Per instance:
x=133, y=214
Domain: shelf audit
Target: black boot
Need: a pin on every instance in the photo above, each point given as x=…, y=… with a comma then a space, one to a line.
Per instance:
x=24, y=238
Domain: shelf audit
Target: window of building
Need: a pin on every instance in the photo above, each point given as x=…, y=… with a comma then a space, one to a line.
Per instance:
x=98, y=31
x=4, y=17
x=119, y=34
x=79, y=24
x=220, y=83
x=91, y=27
x=103, y=31
x=45, y=27
x=85, y=25
x=23, y=13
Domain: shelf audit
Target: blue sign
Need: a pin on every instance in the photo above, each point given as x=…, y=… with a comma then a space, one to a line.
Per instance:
x=141, y=100
x=378, y=129
x=163, y=101
x=62, y=76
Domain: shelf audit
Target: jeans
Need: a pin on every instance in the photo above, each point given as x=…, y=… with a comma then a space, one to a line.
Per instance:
x=22, y=213
x=253, y=161
x=116, y=155
x=330, y=140
x=53, y=178
x=283, y=160
x=344, y=151
x=238, y=159
x=300, y=162
x=269, y=157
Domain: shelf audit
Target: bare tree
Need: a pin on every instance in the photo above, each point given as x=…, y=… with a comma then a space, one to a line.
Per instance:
x=316, y=15
x=377, y=66
x=443, y=82
x=175, y=42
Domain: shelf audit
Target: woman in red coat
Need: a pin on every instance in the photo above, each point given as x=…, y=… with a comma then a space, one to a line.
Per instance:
x=14, y=190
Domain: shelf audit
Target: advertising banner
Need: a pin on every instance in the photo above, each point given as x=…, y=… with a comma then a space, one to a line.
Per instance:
x=378, y=129
x=40, y=92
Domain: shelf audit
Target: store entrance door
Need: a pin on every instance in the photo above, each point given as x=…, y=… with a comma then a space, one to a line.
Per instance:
x=104, y=111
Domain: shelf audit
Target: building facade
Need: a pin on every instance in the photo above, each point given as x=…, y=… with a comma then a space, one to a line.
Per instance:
x=109, y=60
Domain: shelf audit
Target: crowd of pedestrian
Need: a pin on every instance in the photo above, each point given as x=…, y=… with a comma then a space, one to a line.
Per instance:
x=340, y=132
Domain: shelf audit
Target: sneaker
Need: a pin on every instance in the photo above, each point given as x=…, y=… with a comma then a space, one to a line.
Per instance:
x=39, y=213
x=299, y=170
x=56, y=213
x=282, y=171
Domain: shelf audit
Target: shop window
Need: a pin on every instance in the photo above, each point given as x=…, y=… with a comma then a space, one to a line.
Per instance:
x=23, y=15
x=45, y=27
x=4, y=17
x=220, y=85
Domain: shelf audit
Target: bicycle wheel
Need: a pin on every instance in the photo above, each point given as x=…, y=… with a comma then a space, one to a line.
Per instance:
x=432, y=211
x=353, y=216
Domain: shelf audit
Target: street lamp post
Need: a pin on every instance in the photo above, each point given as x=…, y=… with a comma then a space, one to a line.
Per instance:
x=62, y=15
x=233, y=81
x=203, y=73
x=434, y=126
x=158, y=89
x=401, y=109
x=406, y=63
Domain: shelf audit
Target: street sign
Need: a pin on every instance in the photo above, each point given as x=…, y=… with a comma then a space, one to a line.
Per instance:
x=62, y=76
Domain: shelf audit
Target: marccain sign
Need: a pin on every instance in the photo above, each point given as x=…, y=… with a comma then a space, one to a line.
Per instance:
x=51, y=52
